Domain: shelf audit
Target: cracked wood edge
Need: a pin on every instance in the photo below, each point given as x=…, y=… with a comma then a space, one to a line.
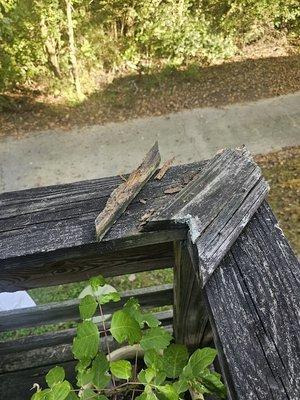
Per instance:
x=216, y=206
x=122, y=196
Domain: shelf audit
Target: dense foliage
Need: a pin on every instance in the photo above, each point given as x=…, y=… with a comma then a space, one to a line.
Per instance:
x=167, y=371
x=118, y=35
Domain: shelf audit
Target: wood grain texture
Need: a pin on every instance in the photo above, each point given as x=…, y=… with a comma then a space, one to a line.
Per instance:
x=52, y=313
x=254, y=305
x=216, y=206
x=47, y=235
x=123, y=195
x=191, y=324
x=144, y=258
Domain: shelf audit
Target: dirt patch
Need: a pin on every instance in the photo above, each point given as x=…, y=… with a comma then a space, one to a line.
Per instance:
x=156, y=94
x=282, y=170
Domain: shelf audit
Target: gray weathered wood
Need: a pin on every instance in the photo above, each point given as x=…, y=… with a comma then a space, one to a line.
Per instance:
x=144, y=258
x=52, y=313
x=191, y=324
x=253, y=300
x=216, y=206
x=47, y=234
x=123, y=195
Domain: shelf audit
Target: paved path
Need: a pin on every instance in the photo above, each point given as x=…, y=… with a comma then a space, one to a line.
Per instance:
x=52, y=157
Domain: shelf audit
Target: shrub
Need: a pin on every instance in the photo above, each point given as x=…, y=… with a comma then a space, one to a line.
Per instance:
x=167, y=372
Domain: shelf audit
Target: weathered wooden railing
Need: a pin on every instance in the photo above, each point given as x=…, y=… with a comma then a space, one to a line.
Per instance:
x=247, y=297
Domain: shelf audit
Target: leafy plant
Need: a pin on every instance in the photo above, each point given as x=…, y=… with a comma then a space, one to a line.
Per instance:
x=168, y=370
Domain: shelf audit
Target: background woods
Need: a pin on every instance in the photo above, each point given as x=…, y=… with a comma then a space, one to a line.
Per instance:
x=73, y=44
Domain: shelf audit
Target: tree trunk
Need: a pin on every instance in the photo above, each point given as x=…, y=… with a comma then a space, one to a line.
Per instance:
x=50, y=48
x=72, y=49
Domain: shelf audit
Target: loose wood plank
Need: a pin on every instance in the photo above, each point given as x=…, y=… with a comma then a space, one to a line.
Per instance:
x=253, y=300
x=165, y=167
x=216, y=206
x=122, y=196
x=154, y=296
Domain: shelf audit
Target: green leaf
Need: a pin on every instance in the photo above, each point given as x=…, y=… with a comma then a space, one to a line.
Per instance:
x=83, y=364
x=168, y=391
x=86, y=343
x=153, y=359
x=124, y=327
x=142, y=396
x=146, y=375
x=72, y=396
x=60, y=391
x=160, y=378
x=87, y=307
x=88, y=394
x=97, y=281
x=149, y=374
x=39, y=395
x=201, y=359
x=175, y=358
x=181, y=385
x=134, y=309
x=121, y=369
x=100, y=381
x=84, y=377
x=155, y=338
x=187, y=372
x=199, y=387
x=100, y=363
x=212, y=381
x=55, y=375
x=103, y=294
x=107, y=297
x=99, y=369
x=149, y=319
x=149, y=393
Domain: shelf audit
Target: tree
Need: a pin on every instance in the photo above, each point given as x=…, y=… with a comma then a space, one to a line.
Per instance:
x=72, y=50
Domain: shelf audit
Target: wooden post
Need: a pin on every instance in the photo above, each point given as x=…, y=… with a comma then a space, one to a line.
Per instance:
x=191, y=326
x=246, y=272
x=253, y=301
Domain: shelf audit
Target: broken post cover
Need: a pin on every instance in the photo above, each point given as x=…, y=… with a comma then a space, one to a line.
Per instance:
x=216, y=205
x=123, y=195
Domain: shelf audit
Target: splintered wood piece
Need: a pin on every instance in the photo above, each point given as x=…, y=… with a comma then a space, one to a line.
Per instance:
x=165, y=167
x=216, y=206
x=122, y=196
x=172, y=190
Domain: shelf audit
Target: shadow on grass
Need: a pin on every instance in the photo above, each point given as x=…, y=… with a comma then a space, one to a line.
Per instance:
x=161, y=92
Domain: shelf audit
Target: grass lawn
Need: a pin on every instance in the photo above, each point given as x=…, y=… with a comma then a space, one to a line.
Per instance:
x=281, y=169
